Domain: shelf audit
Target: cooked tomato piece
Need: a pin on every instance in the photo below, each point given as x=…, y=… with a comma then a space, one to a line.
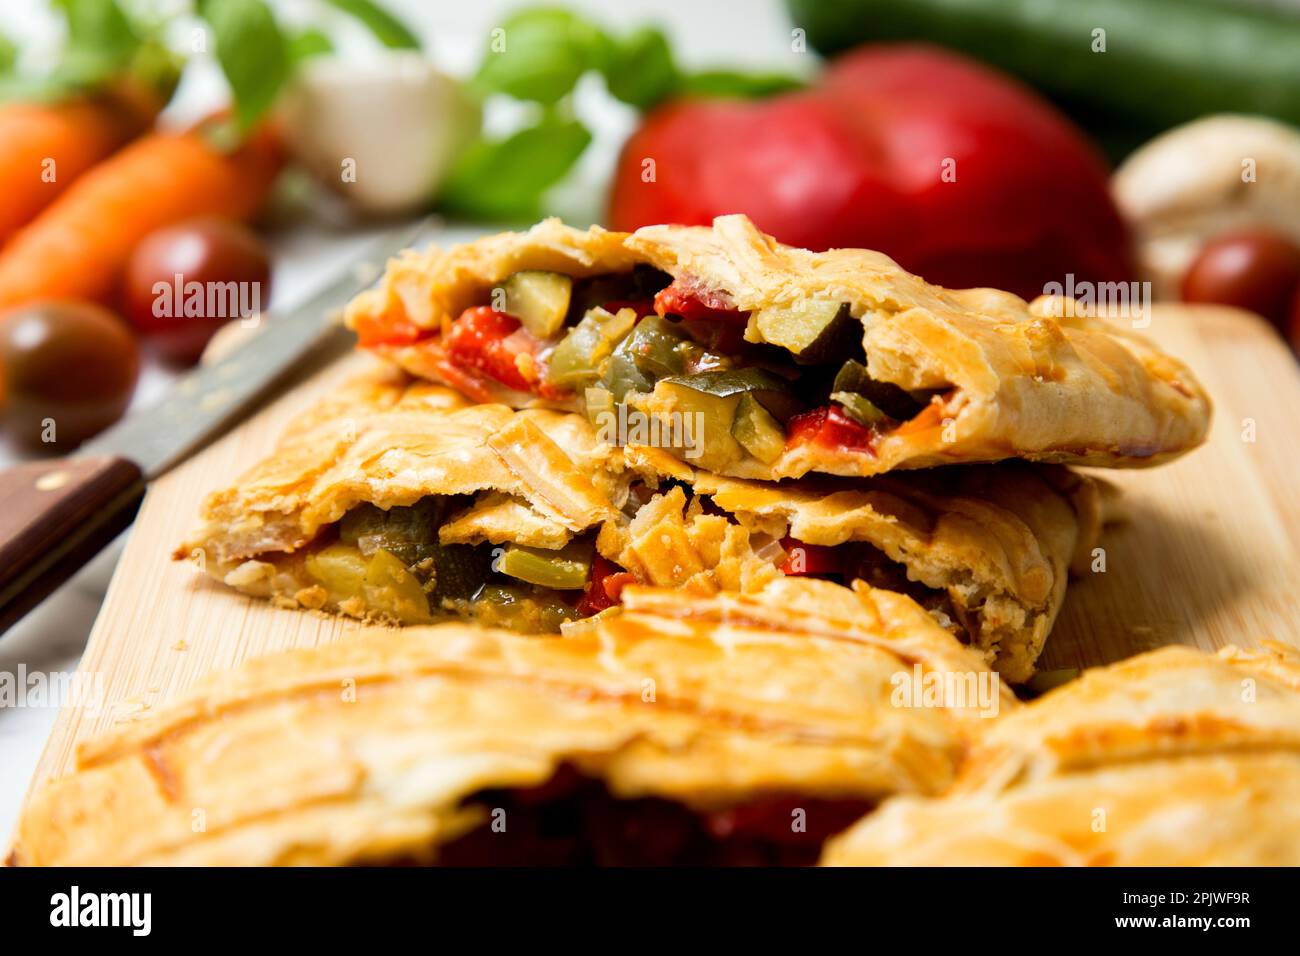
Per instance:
x=691, y=302
x=831, y=428
x=809, y=558
x=376, y=330
x=786, y=821
x=485, y=340
x=605, y=588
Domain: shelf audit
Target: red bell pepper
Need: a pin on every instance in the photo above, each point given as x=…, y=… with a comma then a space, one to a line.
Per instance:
x=803, y=559
x=604, y=588
x=830, y=428
x=488, y=341
x=957, y=171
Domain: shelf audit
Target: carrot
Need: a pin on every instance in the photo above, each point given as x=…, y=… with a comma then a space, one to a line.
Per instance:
x=46, y=147
x=78, y=247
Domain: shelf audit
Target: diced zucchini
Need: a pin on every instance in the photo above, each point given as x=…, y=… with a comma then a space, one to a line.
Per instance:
x=757, y=431
x=859, y=408
x=392, y=590
x=563, y=570
x=895, y=402
x=341, y=570
x=773, y=392
x=704, y=418
x=813, y=329
x=409, y=532
x=539, y=300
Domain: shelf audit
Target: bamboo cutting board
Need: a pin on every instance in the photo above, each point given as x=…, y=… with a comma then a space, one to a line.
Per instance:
x=1208, y=555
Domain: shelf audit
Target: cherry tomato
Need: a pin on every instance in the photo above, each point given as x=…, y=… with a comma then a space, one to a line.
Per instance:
x=185, y=281
x=1257, y=270
x=68, y=369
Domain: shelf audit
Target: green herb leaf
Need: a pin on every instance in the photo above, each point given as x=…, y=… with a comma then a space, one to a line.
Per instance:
x=308, y=43
x=99, y=29
x=739, y=84
x=8, y=55
x=388, y=30
x=640, y=69
x=505, y=179
x=253, y=53
x=539, y=54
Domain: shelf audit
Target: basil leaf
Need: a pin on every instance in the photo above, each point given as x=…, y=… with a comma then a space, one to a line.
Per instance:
x=8, y=55
x=539, y=54
x=738, y=84
x=98, y=29
x=505, y=179
x=308, y=43
x=640, y=69
x=388, y=30
x=253, y=54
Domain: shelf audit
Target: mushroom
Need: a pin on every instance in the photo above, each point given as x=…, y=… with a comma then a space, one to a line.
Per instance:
x=1197, y=181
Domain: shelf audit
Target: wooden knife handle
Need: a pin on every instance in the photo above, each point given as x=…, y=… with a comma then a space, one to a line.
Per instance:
x=54, y=517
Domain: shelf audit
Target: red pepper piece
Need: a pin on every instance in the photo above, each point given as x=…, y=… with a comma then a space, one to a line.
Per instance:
x=830, y=428
x=802, y=559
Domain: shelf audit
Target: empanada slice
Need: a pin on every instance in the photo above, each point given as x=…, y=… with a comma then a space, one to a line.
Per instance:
x=1172, y=758
x=756, y=360
x=397, y=500
x=986, y=549
x=684, y=731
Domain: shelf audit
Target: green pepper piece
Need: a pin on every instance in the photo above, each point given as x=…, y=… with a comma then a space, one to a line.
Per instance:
x=563, y=570
x=654, y=347
x=620, y=374
x=575, y=362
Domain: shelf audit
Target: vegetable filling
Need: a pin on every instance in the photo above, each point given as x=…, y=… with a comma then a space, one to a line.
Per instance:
x=573, y=820
x=391, y=565
x=671, y=349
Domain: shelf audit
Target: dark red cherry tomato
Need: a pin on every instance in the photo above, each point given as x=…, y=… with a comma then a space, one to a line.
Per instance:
x=186, y=281
x=68, y=370
x=1256, y=270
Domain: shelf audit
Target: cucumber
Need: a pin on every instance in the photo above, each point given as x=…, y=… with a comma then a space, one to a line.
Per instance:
x=1166, y=61
x=539, y=300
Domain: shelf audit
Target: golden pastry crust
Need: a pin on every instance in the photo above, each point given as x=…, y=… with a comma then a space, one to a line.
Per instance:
x=998, y=541
x=1017, y=379
x=1172, y=758
x=366, y=749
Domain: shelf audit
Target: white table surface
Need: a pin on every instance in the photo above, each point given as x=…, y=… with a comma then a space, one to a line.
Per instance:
x=704, y=33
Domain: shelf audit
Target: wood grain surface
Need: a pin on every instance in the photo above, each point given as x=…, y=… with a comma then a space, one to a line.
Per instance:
x=1208, y=555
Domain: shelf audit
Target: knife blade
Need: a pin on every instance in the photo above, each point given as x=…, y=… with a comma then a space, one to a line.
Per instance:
x=55, y=515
